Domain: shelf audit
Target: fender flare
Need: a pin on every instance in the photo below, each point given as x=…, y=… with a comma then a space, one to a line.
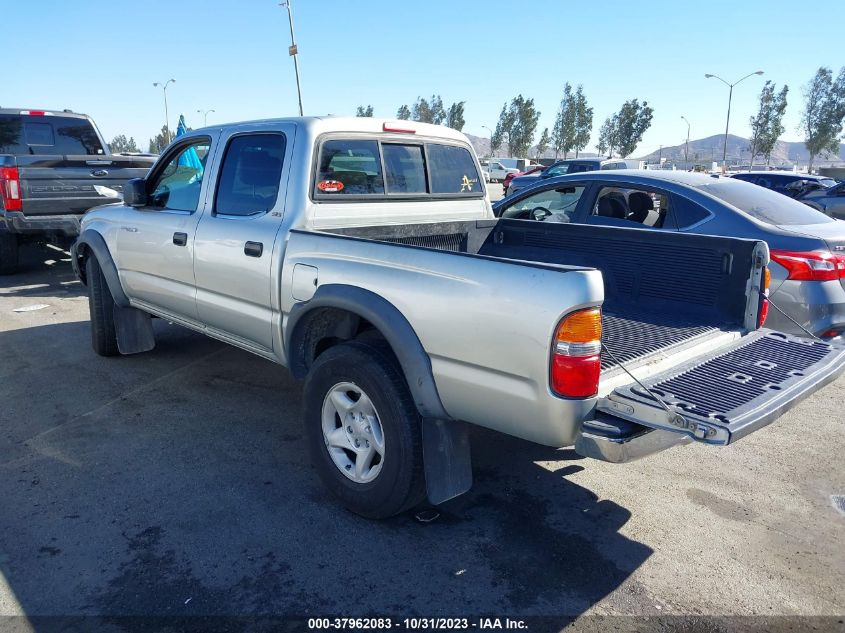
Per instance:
x=413, y=359
x=92, y=240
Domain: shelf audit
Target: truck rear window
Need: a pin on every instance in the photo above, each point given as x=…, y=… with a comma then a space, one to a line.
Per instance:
x=53, y=135
x=356, y=167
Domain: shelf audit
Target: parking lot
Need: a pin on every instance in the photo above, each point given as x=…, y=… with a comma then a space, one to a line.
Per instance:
x=177, y=482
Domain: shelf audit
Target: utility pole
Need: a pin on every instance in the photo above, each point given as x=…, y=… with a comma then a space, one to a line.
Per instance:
x=686, y=145
x=491, y=140
x=166, y=116
x=293, y=51
x=205, y=114
x=728, y=122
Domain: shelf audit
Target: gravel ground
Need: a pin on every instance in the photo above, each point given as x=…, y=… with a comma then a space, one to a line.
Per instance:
x=177, y=483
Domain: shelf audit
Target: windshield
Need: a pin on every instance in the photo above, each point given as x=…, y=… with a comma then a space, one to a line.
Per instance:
x=827, y=182
x=763, y=204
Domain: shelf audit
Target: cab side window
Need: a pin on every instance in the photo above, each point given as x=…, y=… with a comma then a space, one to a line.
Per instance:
x=250, y=175
x=177, y=186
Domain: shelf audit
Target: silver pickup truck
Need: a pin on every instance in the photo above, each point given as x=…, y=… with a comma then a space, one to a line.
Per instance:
x=363, y=255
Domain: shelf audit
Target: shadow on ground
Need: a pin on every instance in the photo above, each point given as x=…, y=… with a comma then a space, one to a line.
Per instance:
x=177, y=483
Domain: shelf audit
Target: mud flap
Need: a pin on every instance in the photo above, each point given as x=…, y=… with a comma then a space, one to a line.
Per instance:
x=134, y=329
x=733, y=391
x=446, y=454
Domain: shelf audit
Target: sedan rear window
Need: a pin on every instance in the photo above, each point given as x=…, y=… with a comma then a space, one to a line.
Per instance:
x=763, y=204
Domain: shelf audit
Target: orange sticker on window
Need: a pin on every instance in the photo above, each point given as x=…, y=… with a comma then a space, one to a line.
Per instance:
x=330, y=186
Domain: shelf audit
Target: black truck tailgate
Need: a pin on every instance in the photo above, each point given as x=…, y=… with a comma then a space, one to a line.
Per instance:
x=733, y=391
x=60, y=185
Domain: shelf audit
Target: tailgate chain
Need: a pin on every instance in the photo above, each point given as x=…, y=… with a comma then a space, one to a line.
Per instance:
x=776, y=307
x=674, y=417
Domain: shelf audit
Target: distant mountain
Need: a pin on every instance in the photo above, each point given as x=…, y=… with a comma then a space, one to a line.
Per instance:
x=706, y=150
x=481, y=145
x=703, y=150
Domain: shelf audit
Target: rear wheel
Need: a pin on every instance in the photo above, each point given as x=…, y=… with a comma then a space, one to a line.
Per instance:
x=8, y=253
x=364, y=430
x=101, y=308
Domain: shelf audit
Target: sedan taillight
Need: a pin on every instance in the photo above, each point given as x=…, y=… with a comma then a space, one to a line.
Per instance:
x=811, y=266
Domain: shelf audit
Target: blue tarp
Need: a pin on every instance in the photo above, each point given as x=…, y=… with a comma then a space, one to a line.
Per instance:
x=189, y=158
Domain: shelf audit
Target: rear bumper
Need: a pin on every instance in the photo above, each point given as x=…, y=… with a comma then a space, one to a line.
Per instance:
x=623, y=449
x=17, y=222
x=817, y=305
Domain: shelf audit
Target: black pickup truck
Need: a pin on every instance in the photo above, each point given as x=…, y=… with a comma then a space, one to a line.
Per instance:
x=54, y=166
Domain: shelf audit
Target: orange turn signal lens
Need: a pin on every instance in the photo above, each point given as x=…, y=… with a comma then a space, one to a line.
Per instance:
x=583, y=326
x=767, y=278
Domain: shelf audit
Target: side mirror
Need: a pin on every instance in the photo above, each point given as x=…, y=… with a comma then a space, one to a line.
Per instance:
x=135, y=193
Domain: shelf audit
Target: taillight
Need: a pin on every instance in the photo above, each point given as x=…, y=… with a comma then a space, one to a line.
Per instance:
x=811, y=266
x=763, y=311
x=576, y=355
x=10, y=188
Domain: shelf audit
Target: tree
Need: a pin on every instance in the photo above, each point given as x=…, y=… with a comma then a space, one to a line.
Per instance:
x=503, y=126
x=630, y=123
x=766, y=125
x=364, y=112
x=608, y=136
x=543, y=143
x=422, y=111
x=429, y=111
x=824, y=112
x=519, y=123
x=403, y=113
x=455, y=116
x=161, y=140
x=119, y=144
x=583, y=121
x=563, y=132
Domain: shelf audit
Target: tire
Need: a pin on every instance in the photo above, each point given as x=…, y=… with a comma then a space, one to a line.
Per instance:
x=101, y=308
x=8, y=253
x=397, y=480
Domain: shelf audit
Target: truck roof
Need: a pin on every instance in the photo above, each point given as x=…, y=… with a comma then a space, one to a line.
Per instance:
x=317, y=125
x=66, y=113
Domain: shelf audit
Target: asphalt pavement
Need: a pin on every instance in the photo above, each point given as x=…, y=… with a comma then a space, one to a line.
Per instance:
x=177, y=483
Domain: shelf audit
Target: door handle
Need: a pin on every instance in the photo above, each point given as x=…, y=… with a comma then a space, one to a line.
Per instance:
x=253, y=249
x=180, y=239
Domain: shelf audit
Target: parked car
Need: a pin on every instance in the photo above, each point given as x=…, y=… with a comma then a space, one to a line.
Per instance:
x=533, y=169
x=562, y=167
x=365, y=257
x=788, y=183
x=496, y=171
x=829, y=200
x=54, y=166
x=807, y=247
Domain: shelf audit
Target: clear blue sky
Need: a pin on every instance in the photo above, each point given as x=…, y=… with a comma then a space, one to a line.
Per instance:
x=102, y=56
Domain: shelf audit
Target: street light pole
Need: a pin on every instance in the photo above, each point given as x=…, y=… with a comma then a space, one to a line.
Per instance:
x=293, y=51
x=205, y=114
x=686, y=145
x=728, y=121
x=166, y=115
x=491, y=139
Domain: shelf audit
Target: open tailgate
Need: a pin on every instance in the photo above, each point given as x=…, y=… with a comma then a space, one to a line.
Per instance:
x=733, y=391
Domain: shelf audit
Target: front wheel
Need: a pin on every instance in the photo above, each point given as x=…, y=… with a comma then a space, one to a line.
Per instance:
x=101, y=308
x=363, y=430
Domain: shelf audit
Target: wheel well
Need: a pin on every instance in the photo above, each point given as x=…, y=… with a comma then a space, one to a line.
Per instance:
x=324, y=328
x=81, y=256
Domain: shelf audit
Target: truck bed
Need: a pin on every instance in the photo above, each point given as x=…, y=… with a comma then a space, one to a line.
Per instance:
x=663, y=290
